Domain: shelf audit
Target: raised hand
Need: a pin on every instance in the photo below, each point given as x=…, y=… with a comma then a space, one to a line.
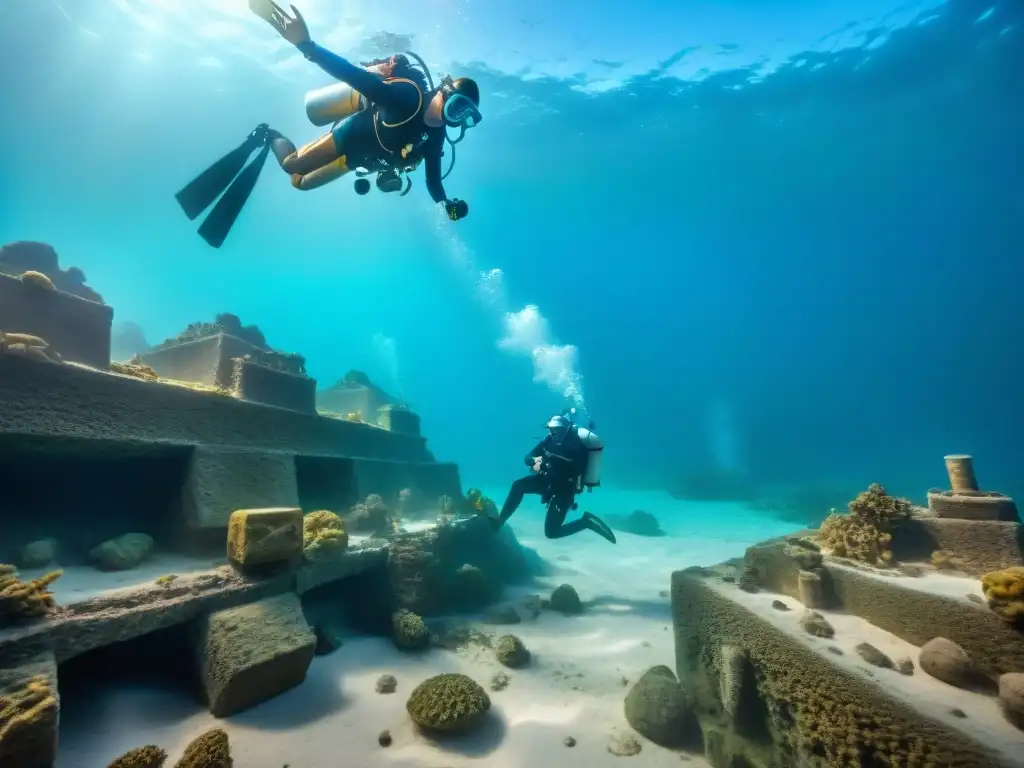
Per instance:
x=291, y=28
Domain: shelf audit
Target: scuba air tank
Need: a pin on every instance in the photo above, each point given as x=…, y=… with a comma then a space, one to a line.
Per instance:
x=594, y=446
x=332, y=103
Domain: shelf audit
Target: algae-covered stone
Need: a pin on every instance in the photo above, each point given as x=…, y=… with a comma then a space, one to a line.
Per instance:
x=511, y=652
x=259, y=536
x=409, y=631
x=657, y=707
x=566, y=600
x=123, y=553
x=149, y=756
x=323, y=535
x=946, y=661
x=38, y=554
x=209, y=750
x=253, y=652
x=448, y=703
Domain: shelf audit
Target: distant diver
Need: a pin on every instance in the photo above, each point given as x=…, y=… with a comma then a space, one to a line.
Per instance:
x=386, y=120
x=565, y=462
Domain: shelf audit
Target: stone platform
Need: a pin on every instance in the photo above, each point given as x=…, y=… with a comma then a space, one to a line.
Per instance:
x=231, y=454
x=769, y=693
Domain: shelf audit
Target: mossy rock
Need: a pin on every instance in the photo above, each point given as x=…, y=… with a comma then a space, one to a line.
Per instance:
x=511, y=652
x=210, y=750
x=566, y=600
x=123, y=552
x=451, y=703
x=658, y=708
x=409, y=631
x=150, y=756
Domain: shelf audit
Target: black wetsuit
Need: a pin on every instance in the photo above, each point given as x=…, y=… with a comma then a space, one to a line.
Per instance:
x=395, y=102
x=562, y=464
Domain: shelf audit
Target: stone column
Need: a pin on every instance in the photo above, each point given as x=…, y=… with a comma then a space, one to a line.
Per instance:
x=960, y=469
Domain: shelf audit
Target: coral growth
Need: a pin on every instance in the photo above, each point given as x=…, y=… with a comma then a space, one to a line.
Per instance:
x=136, y=370
x=223, y=323
x=1004, y=591
x=354, y=416
x=448, y=703
x=409, y=631
x=479, y=504
x=31, y=347
x=371, y=516
x=323, y=534
x=24, y=712
x=211, y=749
x=24, y=599
x=865, y=532
x=947, y=561
x=511, y=652
x=149, y=756
x=22, y=257
x=38, y=279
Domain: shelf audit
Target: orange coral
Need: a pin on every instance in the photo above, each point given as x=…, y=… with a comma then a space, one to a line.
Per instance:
x=865, y=532
x=24, y=600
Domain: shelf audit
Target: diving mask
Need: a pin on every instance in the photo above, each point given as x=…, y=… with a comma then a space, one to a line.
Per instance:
x=459, y=111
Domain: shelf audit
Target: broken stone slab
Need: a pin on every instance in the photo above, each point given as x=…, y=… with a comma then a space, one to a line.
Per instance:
x=254, y=652
x=221, y=480
x=29, y=711
x=262, y=536
x=339, y=566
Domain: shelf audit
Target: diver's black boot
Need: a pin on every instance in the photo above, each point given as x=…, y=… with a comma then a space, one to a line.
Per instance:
x=260, y=135
x=599, y=526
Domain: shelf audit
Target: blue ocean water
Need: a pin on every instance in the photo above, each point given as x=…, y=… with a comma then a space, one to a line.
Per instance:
x=776, y=243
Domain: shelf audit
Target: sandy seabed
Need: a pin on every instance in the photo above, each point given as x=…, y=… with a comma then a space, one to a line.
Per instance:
x=575, y=685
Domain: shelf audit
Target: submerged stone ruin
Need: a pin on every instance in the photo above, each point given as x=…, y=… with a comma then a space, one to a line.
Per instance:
x=891, y=636
x=196, y=496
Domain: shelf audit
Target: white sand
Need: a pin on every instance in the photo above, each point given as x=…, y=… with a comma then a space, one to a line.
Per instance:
x=574, y=687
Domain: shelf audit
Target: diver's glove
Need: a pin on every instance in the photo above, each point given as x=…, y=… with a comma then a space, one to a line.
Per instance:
x=292, y=29
x=456, y=209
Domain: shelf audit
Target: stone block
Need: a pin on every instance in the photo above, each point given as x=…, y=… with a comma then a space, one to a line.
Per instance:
x=254, y=652
x=400, y=420
x=77, y=329
x=260, y=536
x=977, y=505
x=205, y=361
x=221, y=480
x=980, y=545
x=29, y=711
x=260, y=384
x=344, y=564
x=343, y=400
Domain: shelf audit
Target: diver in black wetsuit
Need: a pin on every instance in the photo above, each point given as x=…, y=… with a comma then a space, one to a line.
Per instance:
x=385, y=118
x=559, y=464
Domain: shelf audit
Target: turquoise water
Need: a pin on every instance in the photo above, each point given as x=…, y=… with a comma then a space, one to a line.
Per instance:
x=772, y=250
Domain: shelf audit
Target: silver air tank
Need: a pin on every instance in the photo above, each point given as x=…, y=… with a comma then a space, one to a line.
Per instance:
x=332, y=103
x=594, y=446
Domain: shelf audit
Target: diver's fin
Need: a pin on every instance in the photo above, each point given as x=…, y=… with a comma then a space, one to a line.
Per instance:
x=199, y=194
x=216, y=226
x=600, y=527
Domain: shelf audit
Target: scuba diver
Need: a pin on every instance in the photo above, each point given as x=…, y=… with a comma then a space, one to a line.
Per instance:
x=565, y=462
x=386, y=119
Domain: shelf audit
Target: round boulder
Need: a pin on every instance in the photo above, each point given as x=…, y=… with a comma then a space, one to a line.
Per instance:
x=658, y=708
x=566, y=600
x=450, y=703
x=511, y=652
x=946, y=661
x=1011, y=697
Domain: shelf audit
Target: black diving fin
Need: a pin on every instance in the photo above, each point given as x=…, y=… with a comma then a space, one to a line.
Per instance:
x=217, y=225
x=199, y=194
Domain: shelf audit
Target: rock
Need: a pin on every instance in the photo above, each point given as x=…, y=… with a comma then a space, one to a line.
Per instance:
x=409, y=631
x=499, y=681
x=211, y=749
x=260, y=536
x=1011, y=697
x=387, y=684
x=835, y=651
x=638, y=523
x=122, y=553
x=779, y=605
x=873, y=656
x=624, y=746
x=657, y=707
x=38, y=554
x=471, y=589
x=730, y=679
x=502, y=614
x=569, y=741
x=384, y=739
x=811, y=589
x=946, y=661
x=253, y=652
x=806, y=559
x=565, y=600
x=957, y=712
x=529, y=607
x=905, y=666
x=511, y=652
x=816, y=624
x=448, y=703
x=326, y=641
